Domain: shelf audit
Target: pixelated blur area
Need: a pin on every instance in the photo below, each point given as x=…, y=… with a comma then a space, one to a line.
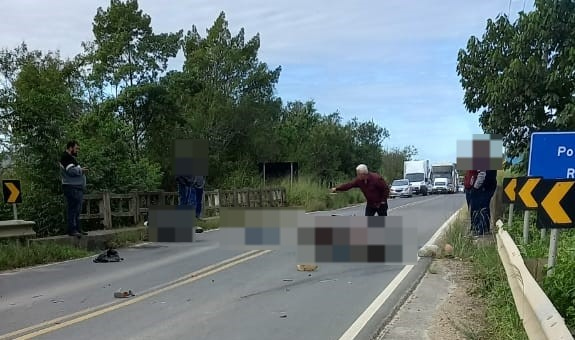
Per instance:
x=191, y=157
x=171, y=223
x=347, y=239
x=261, y=228
x=482, y=152
x=337, y=239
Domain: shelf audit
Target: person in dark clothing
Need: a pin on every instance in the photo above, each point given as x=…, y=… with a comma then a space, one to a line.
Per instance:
x=73, y=184
x=185, y=192
x=199, y=184
x=374, y=188
x=468, y=181
x=483, y=190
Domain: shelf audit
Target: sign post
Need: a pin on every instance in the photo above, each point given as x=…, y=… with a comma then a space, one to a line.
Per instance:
x=525, y=201
x=509, y=185
x=552, y=156
x=12, y=194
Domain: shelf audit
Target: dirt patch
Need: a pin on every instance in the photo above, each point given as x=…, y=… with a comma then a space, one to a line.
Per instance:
x=461, y=315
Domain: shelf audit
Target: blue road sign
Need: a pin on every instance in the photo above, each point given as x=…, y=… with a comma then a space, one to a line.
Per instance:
x=552, y=155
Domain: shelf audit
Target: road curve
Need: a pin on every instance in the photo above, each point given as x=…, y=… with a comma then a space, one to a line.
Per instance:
x=194, y=291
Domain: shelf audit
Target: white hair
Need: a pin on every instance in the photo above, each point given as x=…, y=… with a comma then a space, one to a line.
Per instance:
x=362, y=169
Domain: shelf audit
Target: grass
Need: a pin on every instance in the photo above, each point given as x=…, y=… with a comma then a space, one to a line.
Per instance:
x=560, y=287
x=502, y=320
x=305, y=193
x=311, y=196
x=15, y=255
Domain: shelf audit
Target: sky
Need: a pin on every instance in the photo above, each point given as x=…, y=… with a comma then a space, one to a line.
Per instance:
x=390, y=61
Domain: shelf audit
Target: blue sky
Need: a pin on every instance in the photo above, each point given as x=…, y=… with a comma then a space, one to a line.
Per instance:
x=390, y=61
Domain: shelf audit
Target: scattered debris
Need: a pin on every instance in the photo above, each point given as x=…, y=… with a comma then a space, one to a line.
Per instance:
x=288, y=280
x=35, y=296
x=57, y=301
x=199, y=230
x=123, y=294
x=283, y=315
x=110, y=255
x=327, y=280
x=307, y=268
x=448, y=250
x=428, y=251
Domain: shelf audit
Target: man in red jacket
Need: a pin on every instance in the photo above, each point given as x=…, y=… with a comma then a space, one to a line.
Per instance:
x=374, y=188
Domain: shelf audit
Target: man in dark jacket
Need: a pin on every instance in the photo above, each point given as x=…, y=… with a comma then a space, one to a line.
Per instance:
x=482, y=191
x=199, y=183
x=73, y=184
x=374, y=188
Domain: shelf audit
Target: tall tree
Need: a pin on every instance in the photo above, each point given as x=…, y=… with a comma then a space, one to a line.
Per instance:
x=519, y=76
x=128, y=58
x=236, y=108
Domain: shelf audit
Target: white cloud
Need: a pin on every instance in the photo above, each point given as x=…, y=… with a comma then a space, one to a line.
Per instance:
x=391, y=60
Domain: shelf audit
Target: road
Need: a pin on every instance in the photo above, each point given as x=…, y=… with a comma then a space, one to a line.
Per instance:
x=262, y=297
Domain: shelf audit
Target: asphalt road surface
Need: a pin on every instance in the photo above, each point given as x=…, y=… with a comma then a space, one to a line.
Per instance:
x=258, y=296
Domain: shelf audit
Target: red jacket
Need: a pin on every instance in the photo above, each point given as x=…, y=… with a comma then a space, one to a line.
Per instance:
x=374, y=188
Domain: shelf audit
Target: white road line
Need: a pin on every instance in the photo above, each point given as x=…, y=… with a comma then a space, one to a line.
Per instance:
x=380, y=300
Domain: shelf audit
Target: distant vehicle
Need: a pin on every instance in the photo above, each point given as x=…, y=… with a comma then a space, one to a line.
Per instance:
x=442, y=186
x=400, y=188
x=446, y=171
x=419, y=175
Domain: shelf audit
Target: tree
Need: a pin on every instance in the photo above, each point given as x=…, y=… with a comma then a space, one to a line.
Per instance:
x=236, y=109
x=128, y=57
x=520, y=75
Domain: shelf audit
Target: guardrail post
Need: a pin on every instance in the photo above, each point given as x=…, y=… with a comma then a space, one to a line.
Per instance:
x=106, y=210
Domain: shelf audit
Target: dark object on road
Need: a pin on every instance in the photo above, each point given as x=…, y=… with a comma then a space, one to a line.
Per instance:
x=110, y=255
x=199, y=230
x=123, y=294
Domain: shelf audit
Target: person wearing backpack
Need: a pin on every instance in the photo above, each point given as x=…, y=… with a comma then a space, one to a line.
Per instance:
x=470, y=176
x=481, y=193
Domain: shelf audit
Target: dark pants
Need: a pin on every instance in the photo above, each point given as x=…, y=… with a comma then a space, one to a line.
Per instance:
x=187, y=195
x=468, y=198
x=199, y=202
x=74, y=199
x=381, y=211
x=480, y=210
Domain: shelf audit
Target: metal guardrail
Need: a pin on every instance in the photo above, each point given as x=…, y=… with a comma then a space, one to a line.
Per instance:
x=17, y=229
x=540, y=318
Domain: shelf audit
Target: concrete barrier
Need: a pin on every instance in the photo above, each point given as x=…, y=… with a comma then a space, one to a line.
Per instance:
x=540, y=318
x=17, y=229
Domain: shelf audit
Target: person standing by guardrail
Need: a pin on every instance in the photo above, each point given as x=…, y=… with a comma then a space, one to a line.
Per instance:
x=483, y=189
x=199, y=184
x=374, y=188
x=73, y=184
x=185, y=193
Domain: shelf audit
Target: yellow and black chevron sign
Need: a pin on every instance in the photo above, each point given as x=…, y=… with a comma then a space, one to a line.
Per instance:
x=525, y=193
x=557, y=204
x=509, y=185
x=11, y=191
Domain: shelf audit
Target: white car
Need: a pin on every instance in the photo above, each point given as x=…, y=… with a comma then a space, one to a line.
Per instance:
x=400, y=188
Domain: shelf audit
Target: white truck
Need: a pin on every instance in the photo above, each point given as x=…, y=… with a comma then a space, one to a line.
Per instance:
x=419, y=175
x=449, y=172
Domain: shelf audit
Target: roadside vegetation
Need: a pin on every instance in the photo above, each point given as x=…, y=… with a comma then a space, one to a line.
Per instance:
x=502, y=320
x=123, y=133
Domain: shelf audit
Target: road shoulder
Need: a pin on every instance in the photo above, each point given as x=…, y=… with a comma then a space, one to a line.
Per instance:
x=441, y=307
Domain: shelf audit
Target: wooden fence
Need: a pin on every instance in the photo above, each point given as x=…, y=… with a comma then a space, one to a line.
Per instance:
x=105, y=205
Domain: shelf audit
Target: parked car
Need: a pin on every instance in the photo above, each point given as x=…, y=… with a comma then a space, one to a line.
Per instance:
x=400, y=188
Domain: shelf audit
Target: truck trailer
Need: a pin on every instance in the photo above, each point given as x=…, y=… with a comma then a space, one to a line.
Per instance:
x=449, y=172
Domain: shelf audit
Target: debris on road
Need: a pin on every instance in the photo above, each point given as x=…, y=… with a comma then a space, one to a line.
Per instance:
x=288, y=280
x=110, y=255
x=306, y=267
x=428, y=251
x=123, y=294
x=327, y=280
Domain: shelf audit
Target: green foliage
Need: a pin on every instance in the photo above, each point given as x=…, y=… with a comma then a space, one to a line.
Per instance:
x=519, y=75
x=559, y=287
x=117, y=100
x=13, y=255
x=502, y=319
x=392, y=162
